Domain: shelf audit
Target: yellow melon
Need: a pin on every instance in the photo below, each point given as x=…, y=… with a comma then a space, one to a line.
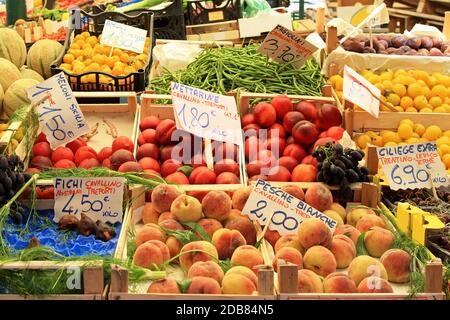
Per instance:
x=30, y=74
x=42, y=54
x=16, y=95
x=12, y=47
x=8, y=73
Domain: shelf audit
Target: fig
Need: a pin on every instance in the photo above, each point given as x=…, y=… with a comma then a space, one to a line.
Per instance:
x=411, y=52
x=444, y=46
x=414, y=43
x=354, y=46
x=426, y=43
x=405, y=48
x=437, y=42
x=391, y=50
x=423, y=52
x=435, y=52
x=104, y=232
x=386, y=38
x=68, y=222
x=398, y=41
x=86, y=226
x=369, y=50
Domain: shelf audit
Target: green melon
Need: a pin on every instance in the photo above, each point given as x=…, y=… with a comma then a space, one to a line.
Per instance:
x=12, y=47
x=16, y=95
x=8, y=73
x=42, y=54
x=30, y=74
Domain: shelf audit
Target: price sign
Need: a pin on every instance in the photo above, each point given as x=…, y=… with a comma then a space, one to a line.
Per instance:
x=99, y=198
x=283, y=45
x=361, y=92
x=413, y=166
x=119, y=35
x=206, y=114
x=59, y=114
x=288, y=211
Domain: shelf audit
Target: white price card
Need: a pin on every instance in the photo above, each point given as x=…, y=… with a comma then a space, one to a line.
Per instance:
x=99, y=198
x=119, y=35
x=283, y=46
x=413, y=166
x=288, y=211
x=59, y=114
x=361, y=92
x=206, y=114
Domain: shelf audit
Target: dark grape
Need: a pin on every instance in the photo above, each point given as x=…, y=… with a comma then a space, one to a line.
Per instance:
x=340, y=172
x=340, y=164
x=26, y=176
x=13, y=177
x=361, y=152
x=3, y=163
x=364, y=170
x=320, y=177
x=319, y=166
x=326, y=165
x=358, y=171
x=13, y=160
x=20, y=179
x=339, y=149
x=7, y=183
x=351, y=175
x=10, y=194
x=2, y=190
x=348, y=163
x=355, y=155
x=333, y=169
x=336, y=180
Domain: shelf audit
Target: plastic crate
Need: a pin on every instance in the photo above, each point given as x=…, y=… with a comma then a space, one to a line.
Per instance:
x=94, y=23
x=203, y=12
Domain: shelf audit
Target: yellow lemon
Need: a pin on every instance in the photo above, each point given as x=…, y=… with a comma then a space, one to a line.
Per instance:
x=432, y=133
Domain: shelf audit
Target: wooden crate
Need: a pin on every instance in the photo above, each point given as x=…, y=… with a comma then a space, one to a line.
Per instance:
x=119, y=287
x=151, y=107
x=219, y=31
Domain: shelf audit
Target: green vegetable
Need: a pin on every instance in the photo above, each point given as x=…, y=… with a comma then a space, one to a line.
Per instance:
x=360, y=246
x=144, y=4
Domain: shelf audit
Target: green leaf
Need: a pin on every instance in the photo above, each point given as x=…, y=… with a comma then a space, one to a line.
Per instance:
x=184, y=236
x=184, y=285
x=360, y=246
x=348, y=234
x=186, y=170
x=197, y=228
x=225, y=265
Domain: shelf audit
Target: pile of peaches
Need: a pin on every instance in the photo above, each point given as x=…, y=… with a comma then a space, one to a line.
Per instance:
x=280, y=137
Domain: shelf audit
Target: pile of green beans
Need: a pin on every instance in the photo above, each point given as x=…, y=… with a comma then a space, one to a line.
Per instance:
x=225, y=69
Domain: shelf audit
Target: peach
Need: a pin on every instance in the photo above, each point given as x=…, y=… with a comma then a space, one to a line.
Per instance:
x=295, y=151
x=304, y=132
x=83, y=154
x=201, y=251
x=122, y=142
x=308, y=109
x=294, y=191
x=170, y=166
x=207, y=269
x=149, y=232
x=93, y=163
x=119, y=157
x=204, y=285
x=226, y=165
x=75, y=144
x=357, y=213
x=339, y=283
x=147, y=136
x=61, y=153
x=174, y=246
x=151, y=254
x=282, y=105
x=290, y=119
x=289, y=240
x=227, y=178
x=288, y=162
x=168, y=285
x=129, y=166
x=279, y=173
x=364, y=266
x=199, y=195
x=166, y=216
x=246, y=272
x=163, y=196
x=312, y=232
x=167, y=152
x=272, y=236
x=244, y=226
x=202, y=175
x=237, y=283
x=349, y=231
x=147, y=150
x=149, y=214
x=149, y=163
x=177, y=178
x=235, y=214
x=249, y=118
x=247, y=256
x=378, y=240
x=369, y=221
x=265, y=114
x=210, y=225
x=309, y=159
x=343, y=249
x=217, y=205
x=309, y=282
x=288, y=254
x=225, y=151
x=65, y=164
x=339, y=209
x=374, y=285
x=226, y=241
x=254, y=168
x=170, y=224
x=164, y=131
x=319, y=197
x=304, y=173
x=328, y=115
x=335, y=216
x=42, y=149
x=276, y=130
x=186, y=208
x=397, y=263
x=240, y=197
x=276, y=145
x=320, y=260
x=149, y=122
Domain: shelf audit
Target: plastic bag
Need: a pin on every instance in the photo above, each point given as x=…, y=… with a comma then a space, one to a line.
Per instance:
x=175, y=56
x=254, y=7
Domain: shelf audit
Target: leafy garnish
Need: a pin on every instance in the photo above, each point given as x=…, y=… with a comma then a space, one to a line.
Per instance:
x=184, y=285
x=184, y=236
x=225, y=265
x=186, y=170
x=197, y=228
x=361, y=249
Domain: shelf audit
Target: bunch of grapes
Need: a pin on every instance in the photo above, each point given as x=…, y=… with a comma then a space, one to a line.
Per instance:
x=339, y=166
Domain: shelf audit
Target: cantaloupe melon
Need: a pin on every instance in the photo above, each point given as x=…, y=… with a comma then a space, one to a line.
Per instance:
x=16, y=95
x=8, y=73
x=42, y=54
x=30, y=74
x=12, y=47
x=2, y=95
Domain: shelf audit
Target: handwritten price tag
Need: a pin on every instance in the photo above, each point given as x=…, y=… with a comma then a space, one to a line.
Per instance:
x=361, y=92
x=121, y=36
x=413, y=166
x=98, y=198
x=59, y=115
x=283, y=46
x=206, y=114
x=289, y=212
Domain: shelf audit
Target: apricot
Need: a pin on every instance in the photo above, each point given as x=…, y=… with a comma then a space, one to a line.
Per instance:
x=339, y=209
x=244, y=226
x=174, y=246
x=265, y=114
x=272, y=236
x=309, y=282
x=374, y=285
x=122, y=142
x=227, y=178
x=240, y=197
x=290, y=119
x=202, y=175
x=130, y=166
x=349, y=231
x=118, y=157
x=357, y=213
x=201, y=251
x=168, y=285
x=186, y=208
x=304, y=132
x=319, y=197
x=149, y=232
x=343, y=249
x=147, y=150
x=397, y=263
x=151, y=254
x=217, y=205
x=163, y=196
x=279, y=173
x=308, y=110
x=288, y=254
x=226, y=241
x=208, y=269
x=204, y=285
x=369, y=221
x=339, y=283
x=149, y=214
x=42, y=149
x=164, y=131
x=304, y=173
x=247, y=256
x=378, y=240
x=147, y=136
x=62, y=153
x=294, y=151
x=289, y=240
x=65, y=164
x=313, y=232
x=335, y=216
x=90, y=163
x=320, y=260
x=294, y=191
x=149, y=122
x=288, y=162
x=364, y=266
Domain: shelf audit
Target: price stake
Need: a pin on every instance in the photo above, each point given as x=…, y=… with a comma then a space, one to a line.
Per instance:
x=59, y=113
x=206, y=114
x=413, y=166
x=99, y=198
x=361, y=92
x=283, y=46
x=287, y=212
x=121, y=36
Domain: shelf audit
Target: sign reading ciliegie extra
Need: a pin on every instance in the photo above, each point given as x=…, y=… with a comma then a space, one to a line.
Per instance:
x=60, y=115
x=413, y=166
x=206, y=114
x=99, y=198
x=119, y=35
x=289, y=212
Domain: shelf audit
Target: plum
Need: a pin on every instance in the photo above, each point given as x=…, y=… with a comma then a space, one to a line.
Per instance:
x=398, y=41
x=414, y=43
x=426, y=43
